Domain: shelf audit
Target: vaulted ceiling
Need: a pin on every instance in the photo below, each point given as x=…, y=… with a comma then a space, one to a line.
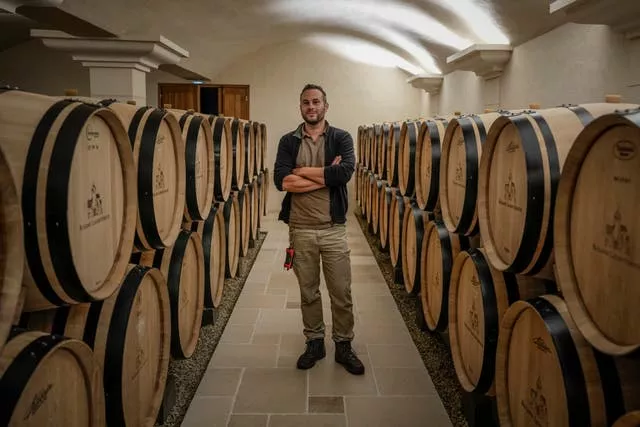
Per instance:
x=416, y=35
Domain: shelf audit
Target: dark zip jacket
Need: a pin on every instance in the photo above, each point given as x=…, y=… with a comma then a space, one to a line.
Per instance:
x=338, y=142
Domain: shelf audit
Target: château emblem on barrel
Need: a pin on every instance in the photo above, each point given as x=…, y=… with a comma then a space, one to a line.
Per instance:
x=617, y=241
x=535, y=404
x=160, y=185
x=508, y=198
x=459, y=180
x=94, y=204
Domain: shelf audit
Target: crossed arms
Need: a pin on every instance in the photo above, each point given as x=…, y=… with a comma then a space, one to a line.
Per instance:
x=288, y=177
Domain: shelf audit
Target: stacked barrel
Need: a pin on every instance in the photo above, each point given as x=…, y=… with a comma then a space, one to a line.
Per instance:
x=515, y=232
x=117, y=226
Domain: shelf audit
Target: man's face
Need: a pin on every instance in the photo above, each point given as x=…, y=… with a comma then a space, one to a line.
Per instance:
x=312, y=106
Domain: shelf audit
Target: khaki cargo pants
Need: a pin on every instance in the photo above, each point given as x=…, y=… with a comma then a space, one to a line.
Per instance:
x=330, y=246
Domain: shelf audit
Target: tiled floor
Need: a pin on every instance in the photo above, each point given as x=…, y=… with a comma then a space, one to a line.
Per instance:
x=252, y=379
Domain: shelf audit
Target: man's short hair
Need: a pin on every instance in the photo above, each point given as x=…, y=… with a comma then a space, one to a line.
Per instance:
x=310, y=86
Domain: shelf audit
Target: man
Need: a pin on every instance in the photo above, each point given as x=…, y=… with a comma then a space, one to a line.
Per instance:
x=313, y=165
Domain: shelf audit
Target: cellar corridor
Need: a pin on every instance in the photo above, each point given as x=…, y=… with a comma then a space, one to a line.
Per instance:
x=252, y=380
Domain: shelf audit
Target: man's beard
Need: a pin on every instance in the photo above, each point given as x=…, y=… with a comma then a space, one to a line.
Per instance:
x=319, y=118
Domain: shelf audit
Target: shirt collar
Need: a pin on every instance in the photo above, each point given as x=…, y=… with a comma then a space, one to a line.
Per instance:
x=299, y=133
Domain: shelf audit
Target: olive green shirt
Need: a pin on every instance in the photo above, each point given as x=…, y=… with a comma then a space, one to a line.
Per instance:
x=310, y=210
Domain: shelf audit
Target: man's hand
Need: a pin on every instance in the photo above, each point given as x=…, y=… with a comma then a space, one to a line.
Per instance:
x=315, y=174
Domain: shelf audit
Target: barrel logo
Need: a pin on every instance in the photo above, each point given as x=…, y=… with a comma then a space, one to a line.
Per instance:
x=624, y=150
x=535, y=404
x=541, y=345
x=38, y=401
x=617, y=243
x=512, y=147
x=160, y=186
x=92, y=136
x=459, y=177
x=508, y=198
x=94, y=209
x=198, y=168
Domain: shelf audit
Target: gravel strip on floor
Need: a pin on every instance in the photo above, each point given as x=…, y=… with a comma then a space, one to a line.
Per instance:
x=187, y=374
x=433, y=348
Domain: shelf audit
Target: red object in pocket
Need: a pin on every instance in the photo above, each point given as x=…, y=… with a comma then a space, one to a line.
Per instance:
x=288, y=261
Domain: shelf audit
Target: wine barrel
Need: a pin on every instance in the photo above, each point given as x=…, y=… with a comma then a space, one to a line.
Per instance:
x=373, y=156
x=244, y=207
x=259, y=160
x=407, y=157
x=11, y=249
x=265, y=191
x=631, y=419
x=259, y=189
x=249, y=139
x=357, y=174
x=594, y=236
x=359, y=137
x=524, y=156
x=548, y=374
x=214, y=246
x=393, y=150
x=254, y=213
x=223, y=156
x=130, y=336
x=182, y=266
x=478, y=298
x=385, y=207
x=413, y=226
x=372, y=200
x=462, y=149
x=440, y=247
x=72, y=167
x=50, y=380
x=238, y=150
x=364, y=186
x=428, y=163
x=383, y=144
x=232, y=225
x=379, y=206
x=199, y=164
x=396, y=219
x=159, y=155
x=265, y=145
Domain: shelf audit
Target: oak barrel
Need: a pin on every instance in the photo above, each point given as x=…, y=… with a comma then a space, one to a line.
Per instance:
x=596, y=229
x=214, y=247
x=182, y=266
x=130, y=336
x=199, y=165
x=232, y=225
x=259, y=189
x=265, y=191
x=50, y=380
x=249, y=150
x=462, y=149
x=427, y=166
x=440, y=247
x=524, y=156
x=238, y=149
x=385, y=207
x=413, y=226
x=548, y=374
x=72, y=166
x=373, y=148
x=244, y=207
x=159, y=155
x=478, y=298
x=407, y=157
x=254, y=197
x=265, y=145
x=11, y=250
x=392, y=154
x=372, y=201
x=396, y=219
x=223, y=156
x=259, y=161
x=379, y=203
x=383, y=144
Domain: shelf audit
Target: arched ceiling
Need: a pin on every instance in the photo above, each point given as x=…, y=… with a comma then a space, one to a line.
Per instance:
x=416, y=35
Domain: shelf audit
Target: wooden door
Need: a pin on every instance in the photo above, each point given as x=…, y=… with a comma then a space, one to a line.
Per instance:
x=179, y=96
x=235, y=101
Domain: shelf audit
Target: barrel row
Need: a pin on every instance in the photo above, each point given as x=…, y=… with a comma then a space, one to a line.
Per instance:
x=572, y=169
x=81, y=305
